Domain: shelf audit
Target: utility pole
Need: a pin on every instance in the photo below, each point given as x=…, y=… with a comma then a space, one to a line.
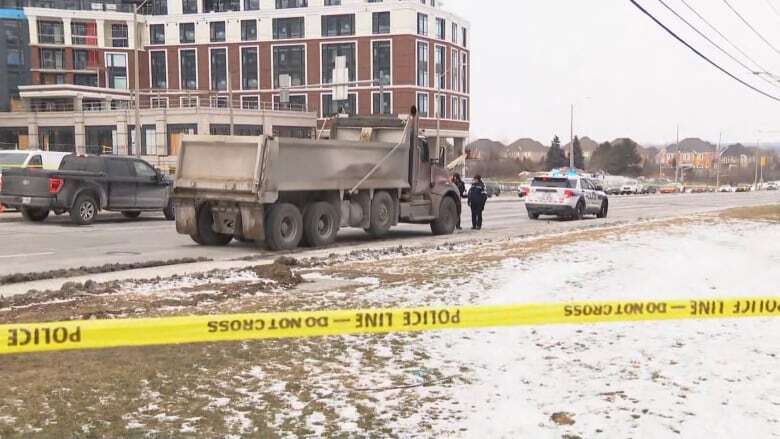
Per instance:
x=677, y=162
x=571, y=138
x=758, y=148
x=717, y=163
x=136, y=84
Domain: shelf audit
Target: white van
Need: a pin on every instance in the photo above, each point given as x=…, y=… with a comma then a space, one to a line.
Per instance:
x=29, y=159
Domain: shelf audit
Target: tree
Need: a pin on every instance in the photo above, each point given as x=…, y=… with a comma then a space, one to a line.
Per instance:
x=599, y=161
x=556, y=158
x=620, y=158
x=579, y=158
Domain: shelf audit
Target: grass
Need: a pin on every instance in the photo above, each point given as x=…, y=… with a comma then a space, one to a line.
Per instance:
x=759, y=213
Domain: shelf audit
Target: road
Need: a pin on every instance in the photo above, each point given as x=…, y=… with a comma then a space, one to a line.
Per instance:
x=56, y=244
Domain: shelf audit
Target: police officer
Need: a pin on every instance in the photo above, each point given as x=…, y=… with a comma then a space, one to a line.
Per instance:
x=477, y=198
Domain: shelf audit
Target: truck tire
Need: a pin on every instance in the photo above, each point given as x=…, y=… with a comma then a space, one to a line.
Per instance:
x=131, y=213
x=170, y=210
x=533, y=215
x=284, y=227
x=604, y=209
x=35, y=215
x=382, y=214
x=448, y=218
x=206, y=234
x=320, y=225
x=84, y=210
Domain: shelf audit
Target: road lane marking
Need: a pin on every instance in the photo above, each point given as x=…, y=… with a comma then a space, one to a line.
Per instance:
x=27, y=255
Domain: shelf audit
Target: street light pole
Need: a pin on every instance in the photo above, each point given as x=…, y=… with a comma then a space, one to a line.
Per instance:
x=717, y=164
x=136, y=74
x=571, y=137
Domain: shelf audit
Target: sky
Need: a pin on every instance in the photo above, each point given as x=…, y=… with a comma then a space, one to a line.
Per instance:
x=532, y=59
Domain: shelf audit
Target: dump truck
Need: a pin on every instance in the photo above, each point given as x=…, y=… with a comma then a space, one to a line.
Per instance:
x=372, y=173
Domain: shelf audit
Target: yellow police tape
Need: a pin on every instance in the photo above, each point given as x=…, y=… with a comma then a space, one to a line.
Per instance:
x=92, y=334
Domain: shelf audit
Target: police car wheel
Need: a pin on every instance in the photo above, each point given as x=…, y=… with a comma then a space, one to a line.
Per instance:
x=604, y=209
x=579, y=211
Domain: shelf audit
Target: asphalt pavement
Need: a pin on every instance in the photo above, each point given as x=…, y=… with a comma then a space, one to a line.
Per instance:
x=57, y=244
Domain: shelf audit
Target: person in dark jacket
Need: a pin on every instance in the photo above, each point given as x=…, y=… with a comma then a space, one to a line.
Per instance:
x=477, y=198
x=458, y=182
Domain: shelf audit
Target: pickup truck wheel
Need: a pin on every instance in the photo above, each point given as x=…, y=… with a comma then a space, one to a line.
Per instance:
x=382, y=214
x=35, y=215
x=320, y=225
x=448, y=218
x=84, y=210
x=284, y=227
x=170, y=210
x=604, y=209
x=206, y=234
x=131, y=213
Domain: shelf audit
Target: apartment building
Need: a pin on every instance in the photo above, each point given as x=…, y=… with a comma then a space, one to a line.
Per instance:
x=15, y=51
x=205, y=66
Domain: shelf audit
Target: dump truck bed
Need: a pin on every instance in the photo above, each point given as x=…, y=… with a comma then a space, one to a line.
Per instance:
x=264, y=166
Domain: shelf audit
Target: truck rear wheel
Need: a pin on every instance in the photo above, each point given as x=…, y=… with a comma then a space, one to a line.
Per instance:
x=320, y=225
x=382, y=214
x=84, y=210
x=284, y=227
x=206, y=234
x=448, y=218
x=35, y=215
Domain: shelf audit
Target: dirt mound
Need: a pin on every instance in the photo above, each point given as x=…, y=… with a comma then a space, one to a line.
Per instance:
x=278, y=272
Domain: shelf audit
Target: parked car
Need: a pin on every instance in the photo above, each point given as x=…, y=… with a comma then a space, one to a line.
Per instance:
x=523, y=191
x=772, y=186
x=566, y=197
x=743, y=188
x=12, y=159
x=83, y=186
x=492, y=188
x=630, y=188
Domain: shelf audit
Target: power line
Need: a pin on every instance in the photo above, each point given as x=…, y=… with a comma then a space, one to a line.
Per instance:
x=701, y=55
x=727, y=39
x=772, y=5
x=747, y=23
x=722, y=50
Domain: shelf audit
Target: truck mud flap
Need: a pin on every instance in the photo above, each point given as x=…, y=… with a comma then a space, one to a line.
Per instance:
x=186, y=218
x=253, y=222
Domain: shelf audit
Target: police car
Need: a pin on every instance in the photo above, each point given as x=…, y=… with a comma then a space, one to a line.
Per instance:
x=566, y=195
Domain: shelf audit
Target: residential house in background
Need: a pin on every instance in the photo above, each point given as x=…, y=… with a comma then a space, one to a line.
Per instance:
x=527, y=149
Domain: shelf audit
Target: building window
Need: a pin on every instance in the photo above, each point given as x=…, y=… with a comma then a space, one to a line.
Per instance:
x=455, y=33
x=83, y=34
x=249, y=70
x=338, y=25
x=156, y=7
x=52, y=59
x=189, y=6
x=250, y=102
x=50, y=32
x=218, y=66
x=85, y=80
x=221, y=5
x=158, y=68
x=332, y=2
x=84, y=59
x=217, y=29
x=157, y=33
x=248, y=30
x=465, y=41
x=422, y=64
x=329, y=54
x=187, y=33
x=119, y=35
x=464, y=67
x=331, y=107
x=251, y=5
x=296, y=103
x=441, y=28
x=441, y=77
x=116, y=70
x=14, y=57
x=464, y=109
x=189, y=69
x=286, y=28
x=188, y=102
x=377, y=103
x=288, y=4
x=381, y=22
x=454, y=108
x=441, y=106
x=455, y=69
x=422, y=24
x=290, y=60
x=422, y=104
x=380, y=60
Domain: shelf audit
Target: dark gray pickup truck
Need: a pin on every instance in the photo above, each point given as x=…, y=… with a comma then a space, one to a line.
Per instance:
x=83, y=186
